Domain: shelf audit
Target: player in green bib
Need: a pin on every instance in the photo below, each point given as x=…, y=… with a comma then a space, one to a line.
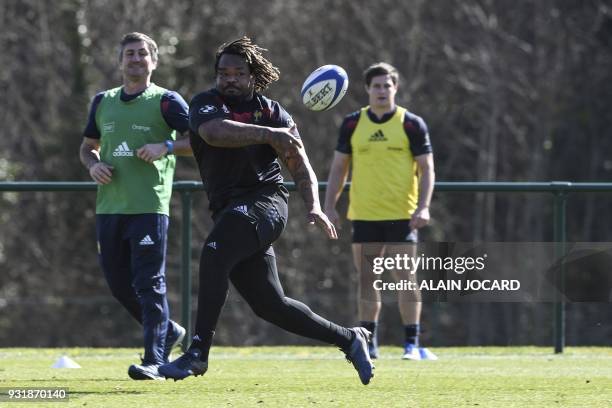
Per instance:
x=129, y=147
x=392, y=183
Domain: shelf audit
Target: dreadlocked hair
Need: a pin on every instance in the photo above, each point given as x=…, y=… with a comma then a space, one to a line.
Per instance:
x=262, y=70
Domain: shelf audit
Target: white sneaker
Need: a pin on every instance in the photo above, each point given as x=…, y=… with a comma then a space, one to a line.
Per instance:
x=411, y=352
x=426, y=354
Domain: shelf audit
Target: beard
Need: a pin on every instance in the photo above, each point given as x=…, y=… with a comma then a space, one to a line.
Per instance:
x=236, y=95
x=234, y=99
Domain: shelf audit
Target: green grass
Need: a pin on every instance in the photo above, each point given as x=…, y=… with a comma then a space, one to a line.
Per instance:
x=319, y=377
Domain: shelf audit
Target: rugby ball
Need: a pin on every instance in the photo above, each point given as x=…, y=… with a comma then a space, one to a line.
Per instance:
x=324, y=88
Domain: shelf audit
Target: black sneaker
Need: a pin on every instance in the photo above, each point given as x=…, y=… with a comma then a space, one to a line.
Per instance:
x=359, y=356
x=145, y=372
x=173, y=339
x=184, y=366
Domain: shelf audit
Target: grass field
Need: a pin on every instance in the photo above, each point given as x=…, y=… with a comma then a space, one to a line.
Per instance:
x=319, y=377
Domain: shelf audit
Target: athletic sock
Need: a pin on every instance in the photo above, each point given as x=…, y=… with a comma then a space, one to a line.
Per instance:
x=372, y=327
x=344, y=336
x=412, y=334
x=202, y=343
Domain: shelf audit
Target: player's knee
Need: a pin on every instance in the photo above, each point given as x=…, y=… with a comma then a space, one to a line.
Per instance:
x=263, y=310
x=271, y=309
x=153, y=306
x=150, y=286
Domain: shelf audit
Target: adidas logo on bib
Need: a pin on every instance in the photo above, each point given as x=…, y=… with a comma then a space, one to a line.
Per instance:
x=123, y=151
x=147, y=241
x=378, y=136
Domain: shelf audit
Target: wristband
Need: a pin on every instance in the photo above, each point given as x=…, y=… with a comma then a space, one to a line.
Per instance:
x=170, y=146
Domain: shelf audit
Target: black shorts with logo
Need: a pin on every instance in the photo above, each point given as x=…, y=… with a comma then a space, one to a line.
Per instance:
x=266, y=209
x=384, y=231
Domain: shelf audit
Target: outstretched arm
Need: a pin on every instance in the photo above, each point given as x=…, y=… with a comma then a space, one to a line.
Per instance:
x=306, y=183
x=229, y=133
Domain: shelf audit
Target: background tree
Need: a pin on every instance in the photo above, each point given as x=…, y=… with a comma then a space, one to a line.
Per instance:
x=511, y=91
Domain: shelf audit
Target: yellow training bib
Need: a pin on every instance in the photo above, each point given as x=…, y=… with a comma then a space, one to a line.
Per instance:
x=385, y=182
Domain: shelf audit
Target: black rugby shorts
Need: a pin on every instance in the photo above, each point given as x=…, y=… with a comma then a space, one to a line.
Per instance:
x=384, y=231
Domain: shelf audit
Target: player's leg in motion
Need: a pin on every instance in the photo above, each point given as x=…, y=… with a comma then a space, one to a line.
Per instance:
x=369, y=303
x=256, y=279
x=232, y=239
x=238, y=243
x=115, y=259
x=148, y=240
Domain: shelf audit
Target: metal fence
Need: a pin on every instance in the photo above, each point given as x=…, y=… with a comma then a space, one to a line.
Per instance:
x=559, y=191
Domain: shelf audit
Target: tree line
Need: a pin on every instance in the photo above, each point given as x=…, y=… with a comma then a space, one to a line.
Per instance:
x=511, y=91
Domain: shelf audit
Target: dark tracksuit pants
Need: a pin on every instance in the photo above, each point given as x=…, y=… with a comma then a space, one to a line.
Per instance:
x=132, y=254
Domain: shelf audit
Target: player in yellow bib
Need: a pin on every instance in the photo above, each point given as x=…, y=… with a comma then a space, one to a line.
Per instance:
x=393, y=177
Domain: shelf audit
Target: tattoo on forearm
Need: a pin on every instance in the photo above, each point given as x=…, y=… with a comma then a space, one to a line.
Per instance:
x=304, y=178
x=233, y=134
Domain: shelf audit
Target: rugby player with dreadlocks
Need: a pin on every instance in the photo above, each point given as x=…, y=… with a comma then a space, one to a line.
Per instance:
x=238, y=137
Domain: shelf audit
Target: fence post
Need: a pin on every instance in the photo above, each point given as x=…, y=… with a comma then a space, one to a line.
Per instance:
x=560, y=237
x=186, y=200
